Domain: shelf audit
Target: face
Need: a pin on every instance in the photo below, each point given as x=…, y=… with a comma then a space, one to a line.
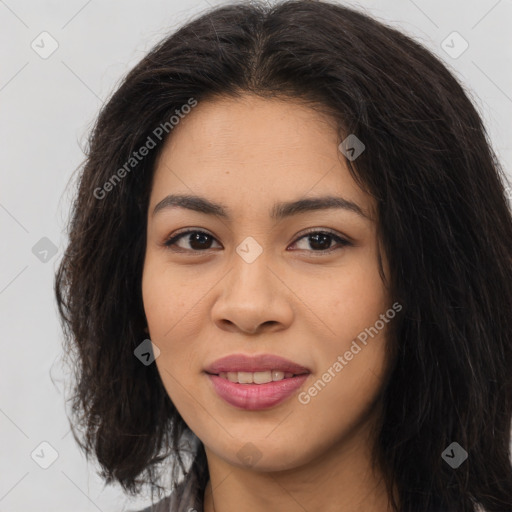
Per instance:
x=303, y=285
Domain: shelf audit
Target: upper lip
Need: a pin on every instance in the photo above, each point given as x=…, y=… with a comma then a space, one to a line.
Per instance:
x=256, y=363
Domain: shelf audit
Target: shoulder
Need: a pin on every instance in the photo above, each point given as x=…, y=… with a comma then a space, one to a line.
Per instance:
x=163, y=505
x=179, y=500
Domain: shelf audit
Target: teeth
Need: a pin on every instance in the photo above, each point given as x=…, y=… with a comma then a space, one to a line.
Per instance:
x=255, y=377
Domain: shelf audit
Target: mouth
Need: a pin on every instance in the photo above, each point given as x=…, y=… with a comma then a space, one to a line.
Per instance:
x=255, y=368
x=263, y=377
x=254, y=396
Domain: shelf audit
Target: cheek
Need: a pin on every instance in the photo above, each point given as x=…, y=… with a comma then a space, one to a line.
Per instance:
x=349, y=377
x=172, y=309
x=353, y=306
x=166, y=299
x=163, y=311
x=352, y=299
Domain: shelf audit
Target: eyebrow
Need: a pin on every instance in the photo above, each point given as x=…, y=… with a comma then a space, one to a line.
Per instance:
x=278, y=212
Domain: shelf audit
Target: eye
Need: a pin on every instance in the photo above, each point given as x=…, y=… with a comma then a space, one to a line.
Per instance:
x=319, y=241
x=198, y=240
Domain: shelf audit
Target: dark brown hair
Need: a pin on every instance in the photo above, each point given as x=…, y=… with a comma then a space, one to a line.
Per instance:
x=443, y=221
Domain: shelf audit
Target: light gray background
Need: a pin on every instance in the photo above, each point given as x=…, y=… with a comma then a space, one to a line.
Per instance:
x=47, y=107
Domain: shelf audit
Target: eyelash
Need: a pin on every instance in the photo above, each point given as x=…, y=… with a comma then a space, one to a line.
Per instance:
x=341, y=241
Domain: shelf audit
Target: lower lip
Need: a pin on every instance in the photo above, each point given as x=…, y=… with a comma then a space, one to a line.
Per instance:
x=254, y=397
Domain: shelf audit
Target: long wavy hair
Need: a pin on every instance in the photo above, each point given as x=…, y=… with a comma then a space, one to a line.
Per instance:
x=443, y=221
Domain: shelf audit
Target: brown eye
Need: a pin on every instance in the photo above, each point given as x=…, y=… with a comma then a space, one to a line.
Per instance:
x=197, y=240
x=320, y=241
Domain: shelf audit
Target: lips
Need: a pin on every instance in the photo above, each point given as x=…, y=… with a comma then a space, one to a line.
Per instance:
x=257, y=363
x=256, y=397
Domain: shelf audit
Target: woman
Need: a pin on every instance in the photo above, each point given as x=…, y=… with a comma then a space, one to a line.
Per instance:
x=290, y=258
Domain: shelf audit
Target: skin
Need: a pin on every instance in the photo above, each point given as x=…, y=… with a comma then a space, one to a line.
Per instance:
x=293, y=301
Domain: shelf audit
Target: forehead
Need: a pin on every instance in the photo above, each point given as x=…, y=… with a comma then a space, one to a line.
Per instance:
x=253, y=151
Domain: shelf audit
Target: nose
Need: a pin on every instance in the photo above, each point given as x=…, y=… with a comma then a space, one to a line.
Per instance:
x=253, y=298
